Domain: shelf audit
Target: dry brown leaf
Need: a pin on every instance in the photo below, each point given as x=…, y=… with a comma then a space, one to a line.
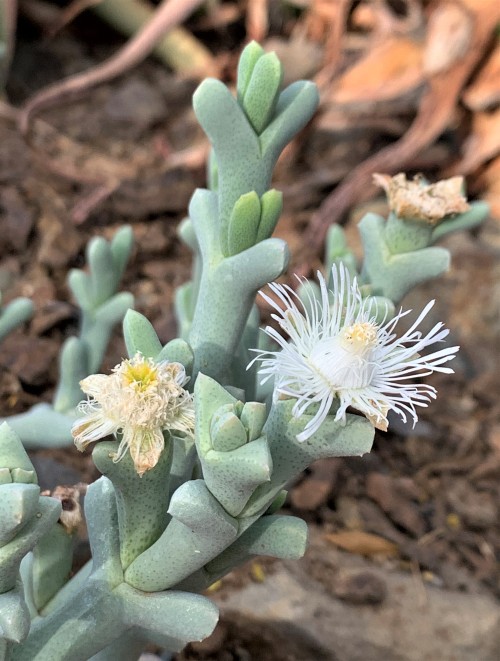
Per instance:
x=448, y=36
x=483, y=142
x=363, y=543
x=389, y=70
x=484, y=91
x=379, y=18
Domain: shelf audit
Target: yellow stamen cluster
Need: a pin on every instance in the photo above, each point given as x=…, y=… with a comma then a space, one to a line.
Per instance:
x=141, y=375
x=359, y=337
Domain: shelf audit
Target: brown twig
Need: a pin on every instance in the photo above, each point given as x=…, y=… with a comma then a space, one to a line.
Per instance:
x=436, y=108
x=168, y=14
x=69, y=14
x=256, y=23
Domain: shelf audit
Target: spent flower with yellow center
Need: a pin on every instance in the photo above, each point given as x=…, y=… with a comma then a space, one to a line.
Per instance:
x=338, y=353
x=140, y=400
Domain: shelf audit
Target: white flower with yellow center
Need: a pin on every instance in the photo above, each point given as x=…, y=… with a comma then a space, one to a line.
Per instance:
x=140, y=399
x=337, y=351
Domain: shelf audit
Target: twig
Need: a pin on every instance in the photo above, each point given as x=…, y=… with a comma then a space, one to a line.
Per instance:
x=256, y=23
x=69, y=14
x=178, y=49
x=87, y=203
x=168, y=14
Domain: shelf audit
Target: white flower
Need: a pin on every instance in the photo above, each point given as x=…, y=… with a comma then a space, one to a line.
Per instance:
x=140, y=399
x=337, y=351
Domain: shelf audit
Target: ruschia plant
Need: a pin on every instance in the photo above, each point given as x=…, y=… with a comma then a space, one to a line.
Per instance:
x=197, y=439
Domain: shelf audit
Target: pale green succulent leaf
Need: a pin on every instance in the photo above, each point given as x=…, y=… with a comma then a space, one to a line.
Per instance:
x=18, y=505
x=14, y=615
x=14, y=314
x=261, y=93
x=140, y=336
x=246, y=64
x=243, y=223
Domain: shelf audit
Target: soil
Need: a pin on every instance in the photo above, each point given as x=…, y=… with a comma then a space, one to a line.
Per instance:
x=432, y=491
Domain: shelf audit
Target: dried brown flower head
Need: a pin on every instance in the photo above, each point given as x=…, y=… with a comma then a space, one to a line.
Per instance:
x=420, y=201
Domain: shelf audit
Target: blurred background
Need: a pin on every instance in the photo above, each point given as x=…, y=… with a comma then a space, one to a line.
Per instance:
x=97, y=130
